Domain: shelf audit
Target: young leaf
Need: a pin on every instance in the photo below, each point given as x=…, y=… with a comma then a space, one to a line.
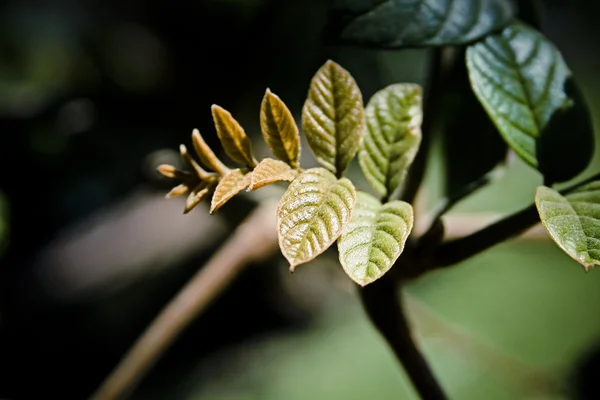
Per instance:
x=178, y=190
x=196, y=196
x=394, y=117
x=270, y=171
x=573, y=221
x=231, y=184
x=279, y=129
x=410, y=23
x=374, y=238
x=206, y=155
x=236, y=143
x=333, y=117
x=526, y=88
x=312, y=213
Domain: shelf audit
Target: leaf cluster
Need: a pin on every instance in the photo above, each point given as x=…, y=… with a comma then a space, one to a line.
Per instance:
x=321, y=206
x=510, y=82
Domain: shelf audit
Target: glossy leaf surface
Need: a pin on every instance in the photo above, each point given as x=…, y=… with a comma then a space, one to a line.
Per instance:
x=333, y=117
x=393, y=136
x=526, y=88
x=374, y=238
x=312, y=213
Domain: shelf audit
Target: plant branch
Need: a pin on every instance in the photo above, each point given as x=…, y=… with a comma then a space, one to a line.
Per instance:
x=386, y=313
x=254, y=240
x=458, y=250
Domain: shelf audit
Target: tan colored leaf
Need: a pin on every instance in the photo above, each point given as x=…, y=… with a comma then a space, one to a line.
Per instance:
x=236, y=143
x=312, y=214
x=178, y=190
x=196, y=196
x=231, y=184
x=333, y=117
x=279, y=129
x=170, y=171
x=270, y=171
x=190, y=162
x=206, y=155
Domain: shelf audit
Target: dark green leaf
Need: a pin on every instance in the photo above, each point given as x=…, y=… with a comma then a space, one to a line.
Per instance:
x=527, y=89
x=409, y=23
x=333, y=118
x=312, y=213
x=374, y=238
x=573, y=221
x=393, y=136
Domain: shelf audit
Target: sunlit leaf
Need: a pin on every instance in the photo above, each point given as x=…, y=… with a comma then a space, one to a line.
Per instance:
x=333, y=117
x=312, y=213
x=279, y=129
x=394, y=117
x=206, y=155
x=231, y=184
x=410, y=23
x=527, y=89
x=196, y=196
x=236, y=143
x=573, y=221
x=374, y=238
x=270, y=171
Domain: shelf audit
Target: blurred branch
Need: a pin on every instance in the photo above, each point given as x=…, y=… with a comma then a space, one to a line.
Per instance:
x=482, y=353
x=386, y=312
x=254, y=240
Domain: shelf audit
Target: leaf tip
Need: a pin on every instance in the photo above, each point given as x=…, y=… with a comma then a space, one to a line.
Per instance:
x=292, y=268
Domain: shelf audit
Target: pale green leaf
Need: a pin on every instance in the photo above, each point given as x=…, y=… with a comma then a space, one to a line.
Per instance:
x=527, y=89
x=412, y=23
x=393, y=136
x=279, y=129
x=236, y=143
x=312, y=213
x=270, y=171
x=333, y=117
x=374, y=238
x=573, y=221
x=231, y=184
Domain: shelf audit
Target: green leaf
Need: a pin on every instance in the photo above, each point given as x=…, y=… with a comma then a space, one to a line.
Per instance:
x=394, y=117
x=236, y=143
x=279, y=129
x=573, y=221
x=412, y=23
x=333, y=117
x=527, y=89
x=312, y=213
x=270, y=171
x=374, y=239
x=231, y=184
x=470, y=150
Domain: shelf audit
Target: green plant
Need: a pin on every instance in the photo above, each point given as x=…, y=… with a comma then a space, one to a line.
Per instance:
x=491, y=68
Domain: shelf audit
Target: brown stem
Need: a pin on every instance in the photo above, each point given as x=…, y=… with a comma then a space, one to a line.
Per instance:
x=253, y=240
x=386, y=313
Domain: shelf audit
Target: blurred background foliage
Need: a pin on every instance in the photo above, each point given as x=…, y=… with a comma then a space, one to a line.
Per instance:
x=95, y=94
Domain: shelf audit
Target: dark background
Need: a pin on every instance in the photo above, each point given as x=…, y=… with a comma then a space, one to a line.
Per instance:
x=95, y=94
